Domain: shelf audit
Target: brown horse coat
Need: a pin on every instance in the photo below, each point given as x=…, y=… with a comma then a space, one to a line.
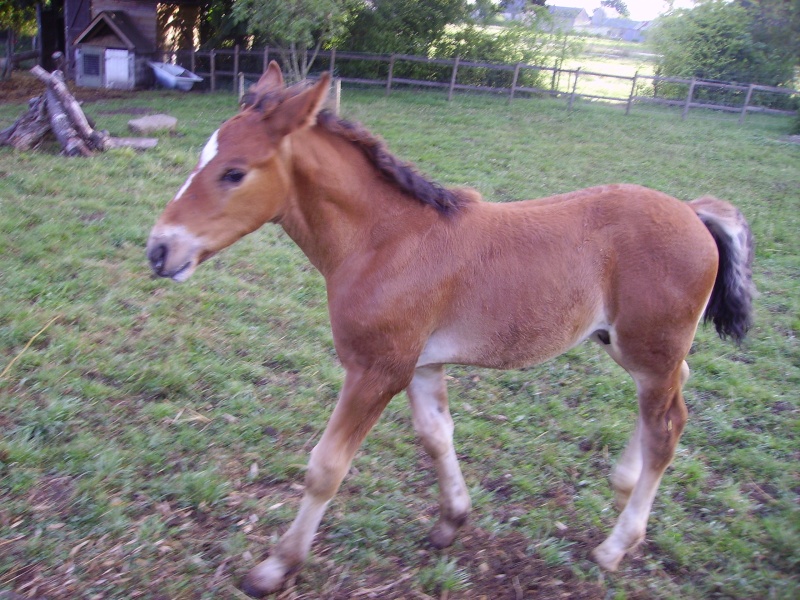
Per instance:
x=419, y=276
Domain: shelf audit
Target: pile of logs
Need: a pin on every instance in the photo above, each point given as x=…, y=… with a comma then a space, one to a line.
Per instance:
x=57, y=112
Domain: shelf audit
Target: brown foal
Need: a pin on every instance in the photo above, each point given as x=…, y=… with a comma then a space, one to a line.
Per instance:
x=419, y=276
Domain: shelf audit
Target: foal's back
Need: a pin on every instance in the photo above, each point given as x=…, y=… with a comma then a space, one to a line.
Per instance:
x=538, y=277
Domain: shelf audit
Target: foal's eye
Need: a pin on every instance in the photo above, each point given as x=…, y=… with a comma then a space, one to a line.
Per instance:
x=233, y=176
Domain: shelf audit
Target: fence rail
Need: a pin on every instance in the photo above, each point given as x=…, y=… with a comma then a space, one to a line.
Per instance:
x=223, y=67
x=19, y=57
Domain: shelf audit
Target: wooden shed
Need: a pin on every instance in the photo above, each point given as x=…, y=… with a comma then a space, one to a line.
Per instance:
x=111, y=52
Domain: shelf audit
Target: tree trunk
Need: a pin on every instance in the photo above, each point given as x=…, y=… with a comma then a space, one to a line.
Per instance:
x=8, y=65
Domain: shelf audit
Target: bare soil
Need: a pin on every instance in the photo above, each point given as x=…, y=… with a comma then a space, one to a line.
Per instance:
x=500, y=567
x=22, y=86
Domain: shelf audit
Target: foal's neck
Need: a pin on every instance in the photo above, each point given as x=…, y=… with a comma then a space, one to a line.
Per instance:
x=342, y=206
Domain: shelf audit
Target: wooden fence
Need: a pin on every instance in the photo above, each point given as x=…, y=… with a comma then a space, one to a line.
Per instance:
x=230, y=68
x=19, y=57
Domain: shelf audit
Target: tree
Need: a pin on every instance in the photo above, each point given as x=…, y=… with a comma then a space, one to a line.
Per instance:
x=617, y=5
x=775, y=24
x=16, y=17
x=722, y=40
x=298, y=28
x=403, y=26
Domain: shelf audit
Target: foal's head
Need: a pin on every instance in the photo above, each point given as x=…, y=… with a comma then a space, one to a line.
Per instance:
x=241, y=181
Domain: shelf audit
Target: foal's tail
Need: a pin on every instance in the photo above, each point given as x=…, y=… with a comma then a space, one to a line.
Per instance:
x=731, y=303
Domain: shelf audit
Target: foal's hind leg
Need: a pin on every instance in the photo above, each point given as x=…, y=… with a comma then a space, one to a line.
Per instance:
x=433, y=423
x=629, y=466
x=662, y=416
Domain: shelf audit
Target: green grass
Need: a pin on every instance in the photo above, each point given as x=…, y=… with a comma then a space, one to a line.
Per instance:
x=609, y=57
x=154, y=436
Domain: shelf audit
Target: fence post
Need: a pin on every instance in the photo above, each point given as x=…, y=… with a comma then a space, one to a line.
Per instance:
x=333, y=62
x=633, y=93
x=192, y=60
x=553, y=83
x=391, y=72
x=453, y=79
x=241, y=86
x=337, y=95
x=514, y=83
x=746, y=103
x=688, y=99
x=266, y=59
x=574, y=87
x=235, y=65
x=213, y=56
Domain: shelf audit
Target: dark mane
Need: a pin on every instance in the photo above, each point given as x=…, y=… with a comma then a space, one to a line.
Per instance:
x=403, y=175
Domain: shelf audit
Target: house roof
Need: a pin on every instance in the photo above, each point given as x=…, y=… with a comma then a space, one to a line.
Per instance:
x=118, y=24
x=564, y=12
x=621, y=23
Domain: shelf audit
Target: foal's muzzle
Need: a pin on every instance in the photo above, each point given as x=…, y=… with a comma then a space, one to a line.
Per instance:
x=174, y=253
x=157, y=256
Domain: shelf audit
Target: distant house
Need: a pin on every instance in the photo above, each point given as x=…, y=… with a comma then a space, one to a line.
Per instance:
x=607, y=22
x=568, y=19
x=515, y=9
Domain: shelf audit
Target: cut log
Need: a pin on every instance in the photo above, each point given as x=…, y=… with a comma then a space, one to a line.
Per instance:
x=28, y=131
x=67, y=136
x=57, y=112
x=55, y=83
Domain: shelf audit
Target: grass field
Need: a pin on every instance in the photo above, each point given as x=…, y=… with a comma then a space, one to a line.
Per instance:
x=154, y=435
x=609, y=57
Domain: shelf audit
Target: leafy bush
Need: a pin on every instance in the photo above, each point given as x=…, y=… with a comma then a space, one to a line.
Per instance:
x=721, y=41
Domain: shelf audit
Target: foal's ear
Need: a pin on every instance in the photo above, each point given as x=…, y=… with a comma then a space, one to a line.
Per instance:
x=301, y=110
x=271, y=80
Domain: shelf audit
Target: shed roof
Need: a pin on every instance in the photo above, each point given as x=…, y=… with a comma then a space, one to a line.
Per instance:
x=118, y=24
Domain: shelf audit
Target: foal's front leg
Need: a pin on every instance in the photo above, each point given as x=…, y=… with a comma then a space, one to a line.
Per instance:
x=362, y=400
x=434, y=425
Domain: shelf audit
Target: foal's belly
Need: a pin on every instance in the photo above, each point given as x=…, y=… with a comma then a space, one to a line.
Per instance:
x=505, y=348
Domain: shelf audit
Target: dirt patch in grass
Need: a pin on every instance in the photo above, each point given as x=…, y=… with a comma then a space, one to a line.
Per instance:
x=52, y=495
x=502, y=567
x=22, y=86
x=498, y=568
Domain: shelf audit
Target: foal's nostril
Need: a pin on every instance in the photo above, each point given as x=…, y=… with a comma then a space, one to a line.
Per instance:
x=157, y=256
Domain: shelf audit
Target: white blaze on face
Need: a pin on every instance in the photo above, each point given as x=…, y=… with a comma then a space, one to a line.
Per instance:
x=208, y=153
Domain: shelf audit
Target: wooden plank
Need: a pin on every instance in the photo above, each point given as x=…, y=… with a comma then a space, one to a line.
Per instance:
x=389, y=79
x=424, y=59
x=746, y=104
x=453, y=79
x=514, y=83
x=487, y=65
x=688, y=102
x=574, y=87
x=420, y=82
x=362, y=81
x=633, y=92
x=482, y=88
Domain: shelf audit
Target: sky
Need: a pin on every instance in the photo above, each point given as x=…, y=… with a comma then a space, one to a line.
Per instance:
x=641, y=10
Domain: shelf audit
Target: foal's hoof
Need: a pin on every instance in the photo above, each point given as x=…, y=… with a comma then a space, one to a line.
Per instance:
x=265, y=578
x=607, y=557
x=444, y=533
